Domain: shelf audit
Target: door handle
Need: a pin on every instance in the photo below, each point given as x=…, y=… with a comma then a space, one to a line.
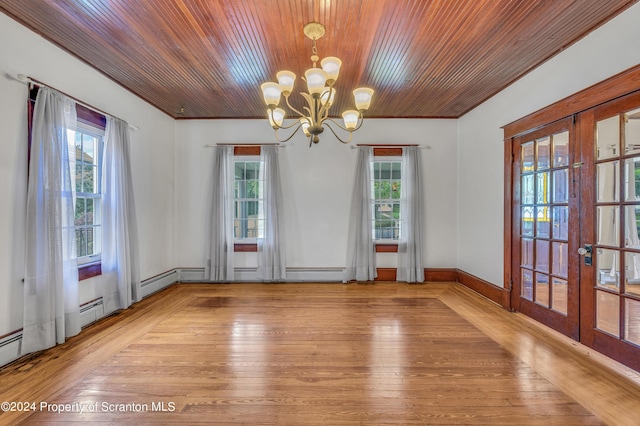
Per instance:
x=586, y=251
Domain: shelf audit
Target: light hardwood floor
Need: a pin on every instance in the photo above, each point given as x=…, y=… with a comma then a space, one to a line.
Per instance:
x=325, y=354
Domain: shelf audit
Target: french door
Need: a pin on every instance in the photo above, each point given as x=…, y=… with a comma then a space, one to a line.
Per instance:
x=610, y=213
x=546, y=202
x=576, y=227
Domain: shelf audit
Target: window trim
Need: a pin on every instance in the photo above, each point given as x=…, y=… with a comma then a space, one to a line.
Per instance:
x=246, y=245
x=88, y=262
x=386, y=246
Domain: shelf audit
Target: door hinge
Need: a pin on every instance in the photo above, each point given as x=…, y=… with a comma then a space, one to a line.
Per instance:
x=578, y=165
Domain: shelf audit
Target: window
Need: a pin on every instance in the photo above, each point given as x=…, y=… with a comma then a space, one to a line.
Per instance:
x=85, y=147
x=248, y=200
x=386, y=183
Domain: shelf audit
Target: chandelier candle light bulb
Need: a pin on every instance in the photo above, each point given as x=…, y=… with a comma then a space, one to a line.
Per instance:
x=319, y=96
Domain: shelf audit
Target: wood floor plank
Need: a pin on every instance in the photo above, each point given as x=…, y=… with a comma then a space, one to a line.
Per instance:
x=300, y=354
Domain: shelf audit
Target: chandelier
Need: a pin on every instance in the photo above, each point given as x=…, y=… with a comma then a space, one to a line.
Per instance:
x=320, y=97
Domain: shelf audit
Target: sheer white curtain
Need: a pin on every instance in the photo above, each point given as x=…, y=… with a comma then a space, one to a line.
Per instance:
x=361, y=260
x=51, y=306
x=271, y=252
x=220, y=217
x=120, y=256
x=410, y=267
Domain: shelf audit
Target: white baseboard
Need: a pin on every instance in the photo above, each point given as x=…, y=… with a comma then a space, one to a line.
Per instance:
x=159, y=282
x=196, y=275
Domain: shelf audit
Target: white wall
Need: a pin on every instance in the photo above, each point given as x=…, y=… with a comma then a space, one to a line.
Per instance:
x=317, y=184
x=22, y=51
x=603, y=53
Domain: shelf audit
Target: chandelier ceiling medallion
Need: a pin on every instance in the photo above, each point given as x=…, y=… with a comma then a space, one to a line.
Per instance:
x=320, y=97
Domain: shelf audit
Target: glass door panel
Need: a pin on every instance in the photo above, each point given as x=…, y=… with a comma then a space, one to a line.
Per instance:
x=612, y=284
x=545, y=287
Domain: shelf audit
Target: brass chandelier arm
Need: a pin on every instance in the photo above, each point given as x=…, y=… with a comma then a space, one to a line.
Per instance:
x=336, y=135
x=292, y=133
x=286, y=98
x=324, y=110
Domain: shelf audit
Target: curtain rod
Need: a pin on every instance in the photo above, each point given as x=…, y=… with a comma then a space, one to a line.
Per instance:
x=26, y=79
x=391, y=145
x=279, y=145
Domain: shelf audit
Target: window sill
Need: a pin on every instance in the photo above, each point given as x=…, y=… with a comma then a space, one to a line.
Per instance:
x=89, y=270
x=387, y=248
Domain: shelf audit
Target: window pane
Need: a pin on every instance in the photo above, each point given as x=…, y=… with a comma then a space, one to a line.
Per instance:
x=251, y=170
x=542, y=255
x=608, y=226
x=252, y=189
x=632, y=273
x=527, y=157
x=527, y=252
x=526, y=284
x=80, y=217
x=81, y=242
x=543, y=222
x=632, y=179
x=608, y=264
x=561, y=222
x=608, y=137
x=396, y=170
x=542, y=147
x=385, y=170
x=561, y=149
x=527, y=221
x=632, y=131
x=632, y=219
x=561, y=186
x=542, y=289
x=79, y=177
x=376, y=170
x=560, y=295
x=560, y=261
x=395, y=189
x=608, y=180
x=542, y=188
x=239, y=170
x=632, y=321
x=88, y=177
x=607, y=313
x=527, y=190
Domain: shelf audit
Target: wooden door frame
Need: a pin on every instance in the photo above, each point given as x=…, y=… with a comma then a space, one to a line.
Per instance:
x=621, y=84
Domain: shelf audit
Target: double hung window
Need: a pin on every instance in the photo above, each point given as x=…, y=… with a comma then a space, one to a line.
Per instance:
x=248, y=199
x=85, y=148
x=386, y=184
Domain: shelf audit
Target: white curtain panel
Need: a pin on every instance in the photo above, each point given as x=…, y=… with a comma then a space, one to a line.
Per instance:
x=51, y=305
x=120, y=280
x=271, y=251
x=219, y=250
x=410, y=264
x=361, y=260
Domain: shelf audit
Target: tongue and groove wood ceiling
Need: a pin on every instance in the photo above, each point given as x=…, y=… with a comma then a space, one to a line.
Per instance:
x=207, y=58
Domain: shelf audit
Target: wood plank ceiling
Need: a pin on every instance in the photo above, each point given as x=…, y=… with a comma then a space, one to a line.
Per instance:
x=207, y=58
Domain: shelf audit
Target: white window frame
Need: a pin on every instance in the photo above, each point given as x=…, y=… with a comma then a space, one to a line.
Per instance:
x=391, y=201
x=97, y=133
x=259, y=199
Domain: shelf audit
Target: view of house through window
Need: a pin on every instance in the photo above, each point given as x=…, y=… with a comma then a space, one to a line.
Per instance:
x=248, y=200
x=85, y=145
x=386, y=181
